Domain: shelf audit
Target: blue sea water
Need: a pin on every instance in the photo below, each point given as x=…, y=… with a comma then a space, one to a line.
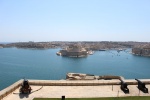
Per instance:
x=16, y=64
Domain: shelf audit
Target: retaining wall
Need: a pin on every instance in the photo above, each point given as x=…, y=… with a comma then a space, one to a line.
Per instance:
x=10, y=89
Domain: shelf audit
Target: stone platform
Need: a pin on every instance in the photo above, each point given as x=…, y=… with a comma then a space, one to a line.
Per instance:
x=74, y=89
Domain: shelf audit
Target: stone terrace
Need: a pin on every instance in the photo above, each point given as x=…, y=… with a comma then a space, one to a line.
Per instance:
x=74, y=89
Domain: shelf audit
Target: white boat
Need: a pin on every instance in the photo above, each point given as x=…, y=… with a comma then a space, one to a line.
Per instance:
x=119, y=50
x=102, y=49
x=90, y=52
x=58, y=53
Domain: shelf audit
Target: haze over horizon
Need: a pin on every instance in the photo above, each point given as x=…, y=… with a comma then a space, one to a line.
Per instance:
x=74, y=20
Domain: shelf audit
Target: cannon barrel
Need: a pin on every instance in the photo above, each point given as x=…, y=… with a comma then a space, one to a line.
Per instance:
x=122, y=82
x=124, y=87
x=139, y=81
x=141, y=86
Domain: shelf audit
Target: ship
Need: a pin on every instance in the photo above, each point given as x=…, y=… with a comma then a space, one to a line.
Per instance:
x=102, y=49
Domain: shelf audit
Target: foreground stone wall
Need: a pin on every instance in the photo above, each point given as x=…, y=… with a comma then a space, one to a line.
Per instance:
x=10, y=89
x=16, y=85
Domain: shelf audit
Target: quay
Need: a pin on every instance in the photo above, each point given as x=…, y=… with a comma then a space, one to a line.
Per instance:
x=73, y=89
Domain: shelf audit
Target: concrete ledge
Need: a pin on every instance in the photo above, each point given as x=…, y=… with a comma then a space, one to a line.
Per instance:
x=84, y=82
x=10, y=89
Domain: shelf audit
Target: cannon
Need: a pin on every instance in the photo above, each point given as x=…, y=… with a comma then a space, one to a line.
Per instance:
x=141, y=86
x=25, y=87
x=124, y=87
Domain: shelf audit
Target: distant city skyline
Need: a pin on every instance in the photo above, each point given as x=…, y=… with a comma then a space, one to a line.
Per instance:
x=74, y=20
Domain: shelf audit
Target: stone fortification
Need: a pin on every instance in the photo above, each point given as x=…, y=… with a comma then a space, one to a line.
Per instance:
x=10, y=89
x=102, y=83
x=142, y=50
x=74, y=51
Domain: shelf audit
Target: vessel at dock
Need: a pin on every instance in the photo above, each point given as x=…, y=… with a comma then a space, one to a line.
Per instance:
x=102, y=49
x=58, y=53
x=90, y=52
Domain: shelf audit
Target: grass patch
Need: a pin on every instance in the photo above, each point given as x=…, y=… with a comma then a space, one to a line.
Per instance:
x=108, y=98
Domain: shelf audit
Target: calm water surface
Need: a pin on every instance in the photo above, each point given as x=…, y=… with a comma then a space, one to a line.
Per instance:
x=45, y=64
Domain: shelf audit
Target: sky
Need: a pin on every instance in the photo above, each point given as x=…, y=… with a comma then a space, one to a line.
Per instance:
x=74, y=20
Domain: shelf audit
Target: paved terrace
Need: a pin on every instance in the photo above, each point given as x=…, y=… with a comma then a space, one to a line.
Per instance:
x=73, y=89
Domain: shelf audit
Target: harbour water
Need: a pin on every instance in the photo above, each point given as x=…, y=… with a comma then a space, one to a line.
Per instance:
x=16, y=64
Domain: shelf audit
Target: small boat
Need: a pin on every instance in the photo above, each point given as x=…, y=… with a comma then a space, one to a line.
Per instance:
x=58, y=53
x=119, y=50
x=102, y=49
x=90, y=52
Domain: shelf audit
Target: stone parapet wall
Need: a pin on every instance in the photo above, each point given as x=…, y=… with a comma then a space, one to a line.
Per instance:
x=16, y=85
x=84, y=83
x=10, y=89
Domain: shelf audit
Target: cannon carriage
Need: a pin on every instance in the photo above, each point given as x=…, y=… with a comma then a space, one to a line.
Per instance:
x=141, y=86
x=124, y=87
x=25, y=87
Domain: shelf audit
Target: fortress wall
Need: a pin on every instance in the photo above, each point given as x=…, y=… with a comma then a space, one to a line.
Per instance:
x=16, y=85
x=10, y=89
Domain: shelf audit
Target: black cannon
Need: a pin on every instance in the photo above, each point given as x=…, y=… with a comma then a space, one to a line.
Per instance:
x=141, y=86
x=25, y=87
x=124, y=87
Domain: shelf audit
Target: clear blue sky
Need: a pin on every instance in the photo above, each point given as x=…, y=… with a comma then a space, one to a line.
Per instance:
x=74, y=20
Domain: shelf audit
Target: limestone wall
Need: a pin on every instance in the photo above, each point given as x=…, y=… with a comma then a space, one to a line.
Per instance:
x=16, y=85
x=10, y=89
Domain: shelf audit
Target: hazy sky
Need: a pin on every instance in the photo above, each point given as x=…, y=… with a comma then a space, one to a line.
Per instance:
x=74, y=20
